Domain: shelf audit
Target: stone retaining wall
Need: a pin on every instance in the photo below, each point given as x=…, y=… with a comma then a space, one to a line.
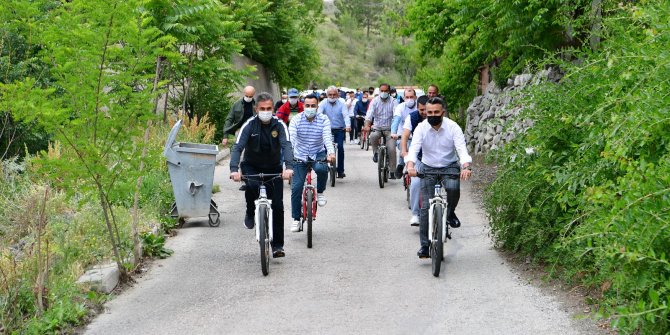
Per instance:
x=492, y=117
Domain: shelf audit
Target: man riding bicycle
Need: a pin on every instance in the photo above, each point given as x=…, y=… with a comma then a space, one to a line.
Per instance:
x=442, y=145
x=381, y=110
x=264, y=139
x=411, y=122
x=312, y=140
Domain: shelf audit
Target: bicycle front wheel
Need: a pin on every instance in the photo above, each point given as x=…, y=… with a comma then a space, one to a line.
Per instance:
x=381, y=173
x=264, y=239
x=367, y=142
x=437, y=245
x=309, y=203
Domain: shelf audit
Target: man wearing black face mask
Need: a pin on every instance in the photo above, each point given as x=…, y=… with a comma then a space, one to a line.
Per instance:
x=443, y=150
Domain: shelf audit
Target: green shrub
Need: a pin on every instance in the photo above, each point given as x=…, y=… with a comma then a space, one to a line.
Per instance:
x=594, y=196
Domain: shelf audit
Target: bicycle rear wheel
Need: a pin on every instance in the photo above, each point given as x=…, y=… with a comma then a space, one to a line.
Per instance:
x=361, y=140
x=437, y=245
x=380, y=167
x=309, y=203
x=264, y=239
x=367, y=142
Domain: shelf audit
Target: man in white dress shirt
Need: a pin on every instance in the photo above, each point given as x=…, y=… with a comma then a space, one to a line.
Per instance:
x=442, y=144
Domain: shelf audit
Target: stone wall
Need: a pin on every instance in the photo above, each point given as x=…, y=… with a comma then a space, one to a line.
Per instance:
x=492, y=118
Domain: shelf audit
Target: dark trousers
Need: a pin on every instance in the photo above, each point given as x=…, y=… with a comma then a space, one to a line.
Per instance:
x=451, y=183
x=338, y=138
x=358, y=126
x=275, y=192
x=352, y=134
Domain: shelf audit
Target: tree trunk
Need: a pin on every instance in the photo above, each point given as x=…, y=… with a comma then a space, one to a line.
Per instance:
x=596, y=23
x=104, y=204
x=137, y=248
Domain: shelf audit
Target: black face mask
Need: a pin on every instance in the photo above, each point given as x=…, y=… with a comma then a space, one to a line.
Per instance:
x=434, y=120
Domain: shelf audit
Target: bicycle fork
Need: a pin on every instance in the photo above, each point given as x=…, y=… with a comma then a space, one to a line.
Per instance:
x=263, y=199
x=438, y=201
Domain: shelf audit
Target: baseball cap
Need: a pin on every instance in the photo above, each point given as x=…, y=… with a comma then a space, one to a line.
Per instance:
x=293, y=93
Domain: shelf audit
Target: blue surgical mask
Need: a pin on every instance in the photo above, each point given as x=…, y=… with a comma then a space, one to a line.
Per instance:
x=310, y=112
x=384, y=95
x=410, y=103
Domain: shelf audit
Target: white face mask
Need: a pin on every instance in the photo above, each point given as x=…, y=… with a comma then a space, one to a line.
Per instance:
x=310, y=112
x=410, y=103
x=365, y=100
x=332, y=100
x=283, y=101
x=247, y=99
x=265, y=116
x=293, y=101
x=384, y=95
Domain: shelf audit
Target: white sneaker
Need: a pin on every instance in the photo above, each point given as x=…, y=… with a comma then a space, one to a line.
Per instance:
x=414, y=221
x=357, y=141
x=295, y=226
x=321, y=199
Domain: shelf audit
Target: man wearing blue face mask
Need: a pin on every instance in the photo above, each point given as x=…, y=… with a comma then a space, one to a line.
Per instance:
x=312, y=140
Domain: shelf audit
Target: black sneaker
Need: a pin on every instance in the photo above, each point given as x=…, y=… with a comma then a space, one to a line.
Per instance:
x=243, y=187
x=278, y=252
x=392, y=176
x=423, y=252
x=249, y=221
x=374, y=157
x=341, y=175
x=453, y=221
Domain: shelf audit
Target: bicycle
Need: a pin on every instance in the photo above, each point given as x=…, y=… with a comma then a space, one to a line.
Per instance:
x=263, y=218
x=382, y=161
x=438, y=229
x=332, y=168
x=309, y=202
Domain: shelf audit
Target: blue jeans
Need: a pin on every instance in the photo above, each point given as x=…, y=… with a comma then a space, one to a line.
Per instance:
x=415, y=191
x=338, y=138
x=298, y=181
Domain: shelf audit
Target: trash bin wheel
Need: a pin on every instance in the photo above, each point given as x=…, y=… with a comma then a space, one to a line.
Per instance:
x=214, y=219
x=180, y=222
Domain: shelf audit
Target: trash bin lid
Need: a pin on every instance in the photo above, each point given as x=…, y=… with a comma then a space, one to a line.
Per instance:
x=172, y=137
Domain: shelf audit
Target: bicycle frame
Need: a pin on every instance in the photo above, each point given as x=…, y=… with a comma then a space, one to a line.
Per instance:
x=263, y=199
x=309, y=188
x=438, y=200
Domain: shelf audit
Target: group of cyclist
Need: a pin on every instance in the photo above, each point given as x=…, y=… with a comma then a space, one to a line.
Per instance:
x=429, y=142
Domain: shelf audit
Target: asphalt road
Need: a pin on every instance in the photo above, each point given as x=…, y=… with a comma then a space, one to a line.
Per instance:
x=361, y=277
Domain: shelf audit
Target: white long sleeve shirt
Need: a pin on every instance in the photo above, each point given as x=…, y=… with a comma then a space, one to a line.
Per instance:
x=439, y=147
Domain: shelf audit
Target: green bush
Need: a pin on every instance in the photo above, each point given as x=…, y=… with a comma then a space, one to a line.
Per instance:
x=593, y=196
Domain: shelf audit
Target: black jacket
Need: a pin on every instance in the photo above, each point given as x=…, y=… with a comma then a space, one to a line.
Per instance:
x=262, y=145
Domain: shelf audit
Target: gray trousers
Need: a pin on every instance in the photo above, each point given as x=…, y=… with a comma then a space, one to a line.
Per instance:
x=450, y=182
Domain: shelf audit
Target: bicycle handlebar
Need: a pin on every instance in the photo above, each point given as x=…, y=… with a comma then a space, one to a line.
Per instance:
x=262, y=175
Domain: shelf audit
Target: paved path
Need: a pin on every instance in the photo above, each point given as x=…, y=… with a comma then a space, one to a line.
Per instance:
x=361, y=277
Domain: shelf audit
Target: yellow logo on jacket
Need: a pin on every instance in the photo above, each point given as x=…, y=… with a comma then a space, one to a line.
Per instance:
x=275, y=133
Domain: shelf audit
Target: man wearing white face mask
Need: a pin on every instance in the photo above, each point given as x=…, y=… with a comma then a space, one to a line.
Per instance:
x=340, y=123
x=292, y=106
x=399, y=116
x=242, y=110
x=312, y=141
x=381, y=111
x=264, y=140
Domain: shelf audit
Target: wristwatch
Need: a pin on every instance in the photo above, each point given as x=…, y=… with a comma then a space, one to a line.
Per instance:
x=469, y=168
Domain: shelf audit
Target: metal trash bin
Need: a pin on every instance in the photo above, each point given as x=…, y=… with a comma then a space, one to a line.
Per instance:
x=191, y=167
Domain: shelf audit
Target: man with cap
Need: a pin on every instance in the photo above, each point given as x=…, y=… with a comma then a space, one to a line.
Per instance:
x=293, y=105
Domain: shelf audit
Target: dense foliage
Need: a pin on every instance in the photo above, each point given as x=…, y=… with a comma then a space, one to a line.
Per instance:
x=594, y=197
x=458, y=37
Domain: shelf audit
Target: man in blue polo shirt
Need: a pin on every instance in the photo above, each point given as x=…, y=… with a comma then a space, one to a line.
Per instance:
x=338, y=114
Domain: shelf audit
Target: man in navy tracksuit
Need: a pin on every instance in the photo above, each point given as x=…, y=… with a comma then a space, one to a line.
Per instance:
x=264, y=139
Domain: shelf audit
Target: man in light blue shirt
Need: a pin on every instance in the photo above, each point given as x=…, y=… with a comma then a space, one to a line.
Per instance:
x=338, y=114
x=312, y=140
x=399, y=115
